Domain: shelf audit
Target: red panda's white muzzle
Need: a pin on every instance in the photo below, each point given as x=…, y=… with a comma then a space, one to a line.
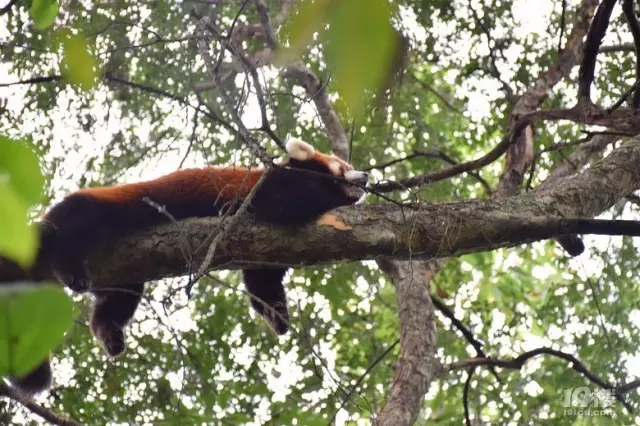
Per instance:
x=359, y=180
x=356, y=176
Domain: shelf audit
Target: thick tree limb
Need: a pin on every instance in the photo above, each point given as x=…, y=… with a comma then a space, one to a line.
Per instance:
x=367, y=232
x=417, y=365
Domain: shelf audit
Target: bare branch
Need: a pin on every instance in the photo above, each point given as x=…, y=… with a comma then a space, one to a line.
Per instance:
x=518, y=362
x=596, y=33
x=205, y=24
x=45, y=413
x=469, y=166
x=634, y=27
x=625, y=47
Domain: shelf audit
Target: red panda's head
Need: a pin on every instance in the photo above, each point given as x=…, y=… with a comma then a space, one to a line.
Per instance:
x=304, y=156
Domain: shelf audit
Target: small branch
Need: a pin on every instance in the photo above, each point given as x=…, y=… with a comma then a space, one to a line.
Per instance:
x=518, y=362
x=449, y=172
x=438, y=95
x=621, y=119
x=226, y=228
x=631, y=90
x=495, y=72
x=578, y=159
x=625, y=47
x=466, y=333
x=35, y=80
x=37, y=409
x=204, y=25
x=358, y=382
x=436, y=153
x=563, y=23
x=109, y=76
x=465, y=396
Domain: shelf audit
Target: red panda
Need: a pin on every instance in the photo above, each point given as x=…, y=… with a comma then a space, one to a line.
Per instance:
x=297, y=192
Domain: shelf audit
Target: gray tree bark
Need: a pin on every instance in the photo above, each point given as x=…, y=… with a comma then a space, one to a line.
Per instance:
x=431, y=230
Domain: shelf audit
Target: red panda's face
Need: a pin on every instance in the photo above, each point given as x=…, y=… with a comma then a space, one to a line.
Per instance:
x=307, y=157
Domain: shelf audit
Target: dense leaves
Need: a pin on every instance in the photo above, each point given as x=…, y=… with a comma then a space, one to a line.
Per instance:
x=208, y=360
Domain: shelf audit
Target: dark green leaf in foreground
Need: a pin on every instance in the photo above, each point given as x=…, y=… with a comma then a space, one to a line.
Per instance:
x=33, y=320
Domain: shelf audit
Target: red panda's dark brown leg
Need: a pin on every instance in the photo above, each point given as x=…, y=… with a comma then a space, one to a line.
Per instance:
x=268, y=297
x=112, y=310
x=35, y=381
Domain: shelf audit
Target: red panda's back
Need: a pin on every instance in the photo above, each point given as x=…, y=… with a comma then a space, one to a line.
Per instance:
x=183, y=193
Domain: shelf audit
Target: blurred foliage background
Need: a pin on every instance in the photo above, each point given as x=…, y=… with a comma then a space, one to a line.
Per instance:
x=207, y=360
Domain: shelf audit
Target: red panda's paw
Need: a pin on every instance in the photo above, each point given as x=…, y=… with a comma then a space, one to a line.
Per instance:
x=110, y=337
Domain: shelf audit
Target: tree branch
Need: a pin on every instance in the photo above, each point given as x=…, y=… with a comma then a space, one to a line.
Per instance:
x=417, y=365
x=520, y=155
x=518, y=362
x=317, y=91
x=367, y=232
x=45, y=413
x=634, y=28
x=596, y=33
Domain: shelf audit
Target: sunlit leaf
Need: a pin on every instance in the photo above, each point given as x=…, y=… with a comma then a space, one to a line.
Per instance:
x=310, y=17
x=79, y=64
x=360, y=47
x=44, y=12
x=360, y=43
x=23, y=168
x=20, y=187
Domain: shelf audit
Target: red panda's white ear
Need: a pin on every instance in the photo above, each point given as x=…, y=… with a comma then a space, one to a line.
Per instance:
x=299, y=150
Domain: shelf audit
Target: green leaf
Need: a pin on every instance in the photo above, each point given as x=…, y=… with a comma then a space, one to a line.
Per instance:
x=361, y=43
x=310, y=17
x=21, y=185
x=18, y=239
x=44, y=12
x=79, y=64
x=536, y=329
x=22, y=165
x=33, y=320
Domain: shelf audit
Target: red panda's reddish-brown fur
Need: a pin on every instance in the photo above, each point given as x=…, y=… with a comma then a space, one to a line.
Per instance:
x=307, y=185
x=216, y=183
